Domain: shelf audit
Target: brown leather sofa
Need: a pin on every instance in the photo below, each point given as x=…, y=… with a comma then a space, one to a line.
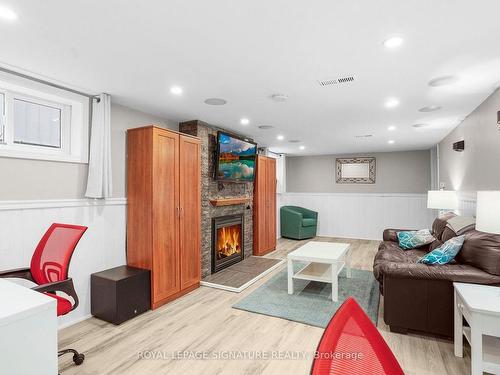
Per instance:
x=419, y=297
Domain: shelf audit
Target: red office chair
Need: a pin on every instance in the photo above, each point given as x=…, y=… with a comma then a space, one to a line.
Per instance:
x=49, y=270
x=352, y=345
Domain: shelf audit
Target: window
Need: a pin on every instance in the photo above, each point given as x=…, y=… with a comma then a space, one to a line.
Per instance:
x=37, y=124
x=43, y=122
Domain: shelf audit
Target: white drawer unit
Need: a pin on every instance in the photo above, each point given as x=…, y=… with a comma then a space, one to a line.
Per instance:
x=479, y=305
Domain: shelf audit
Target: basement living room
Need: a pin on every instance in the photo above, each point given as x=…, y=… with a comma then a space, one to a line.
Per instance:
x=249, y=187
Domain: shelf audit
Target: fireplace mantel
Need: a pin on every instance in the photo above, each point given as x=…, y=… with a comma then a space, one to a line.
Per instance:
x=229, y=201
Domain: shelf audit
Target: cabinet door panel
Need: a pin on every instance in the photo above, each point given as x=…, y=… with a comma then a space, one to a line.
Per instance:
x=271, y=204
x=190, y=211
x=166, y=277
x=260, y=207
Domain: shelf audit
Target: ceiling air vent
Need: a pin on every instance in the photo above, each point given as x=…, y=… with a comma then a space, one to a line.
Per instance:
x=364, y=136
x=336, y=81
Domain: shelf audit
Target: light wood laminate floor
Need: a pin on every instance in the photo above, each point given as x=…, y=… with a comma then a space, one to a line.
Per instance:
x=204, y=322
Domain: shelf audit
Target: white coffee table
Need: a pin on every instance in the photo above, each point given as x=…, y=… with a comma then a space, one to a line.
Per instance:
x=325, y=261
x=480, y=306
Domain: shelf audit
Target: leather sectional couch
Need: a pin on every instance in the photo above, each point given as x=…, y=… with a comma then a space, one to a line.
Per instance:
x=419, y=297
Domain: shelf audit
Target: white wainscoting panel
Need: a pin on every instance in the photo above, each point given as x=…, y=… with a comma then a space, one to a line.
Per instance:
x=22, y=225
x=467, y=203
x=363, y=216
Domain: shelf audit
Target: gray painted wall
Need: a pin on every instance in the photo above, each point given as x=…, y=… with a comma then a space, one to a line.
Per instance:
x=24, y=179
x=478, y=166
x=397, y=172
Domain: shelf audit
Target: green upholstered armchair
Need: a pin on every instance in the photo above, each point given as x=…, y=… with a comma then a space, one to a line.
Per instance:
x=298, y=222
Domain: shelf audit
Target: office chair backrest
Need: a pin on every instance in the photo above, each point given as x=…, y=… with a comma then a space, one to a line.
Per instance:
x=352, y=345
x=50, y=261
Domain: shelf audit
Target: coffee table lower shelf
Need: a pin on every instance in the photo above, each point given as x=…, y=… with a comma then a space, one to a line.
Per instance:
x=321, y=272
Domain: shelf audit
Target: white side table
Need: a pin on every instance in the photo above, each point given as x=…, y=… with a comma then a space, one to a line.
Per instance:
x=480, y=306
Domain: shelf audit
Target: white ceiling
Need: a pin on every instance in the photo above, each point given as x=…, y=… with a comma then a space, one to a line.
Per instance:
x=244, y=51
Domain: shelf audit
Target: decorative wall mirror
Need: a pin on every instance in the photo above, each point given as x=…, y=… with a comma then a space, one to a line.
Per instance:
x=355, y=170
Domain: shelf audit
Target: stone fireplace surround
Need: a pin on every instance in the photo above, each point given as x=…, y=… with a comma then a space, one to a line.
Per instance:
x=212, y=189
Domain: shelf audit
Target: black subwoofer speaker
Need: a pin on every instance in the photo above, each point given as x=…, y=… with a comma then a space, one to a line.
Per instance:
x=120, y=293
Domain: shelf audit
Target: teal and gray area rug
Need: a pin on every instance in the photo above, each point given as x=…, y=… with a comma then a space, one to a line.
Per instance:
x=311, y=302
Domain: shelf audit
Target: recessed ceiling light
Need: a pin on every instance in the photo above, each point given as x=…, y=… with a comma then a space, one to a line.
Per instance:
x=265, y=127
x=294, y=141
x=391, y=128
x=430, y=108
x=279, y=97
x=443, y=81
x=244, y=121
x=280, y=137
x=176, y=90
x=7, y=14
x=420, y=125
x=391, y=103
x=391, y=141
x=302, y=147
x=215, y=101
x=393, y=42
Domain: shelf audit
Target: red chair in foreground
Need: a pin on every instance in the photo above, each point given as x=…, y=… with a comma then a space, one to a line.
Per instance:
x=49, y=270
x=352, y=345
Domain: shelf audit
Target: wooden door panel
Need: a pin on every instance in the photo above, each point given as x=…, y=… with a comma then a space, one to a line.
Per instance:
x=166, y=277
x=190, y=211
x=271, y=204
x=260, y=207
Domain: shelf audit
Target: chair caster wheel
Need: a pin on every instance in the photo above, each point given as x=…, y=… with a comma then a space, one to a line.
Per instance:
x=78, y=359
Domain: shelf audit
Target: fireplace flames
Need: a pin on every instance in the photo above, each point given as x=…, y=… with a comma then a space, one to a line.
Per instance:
x=228, y=241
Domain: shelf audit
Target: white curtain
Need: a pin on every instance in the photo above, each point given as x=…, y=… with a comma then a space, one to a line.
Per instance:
x=99, y=181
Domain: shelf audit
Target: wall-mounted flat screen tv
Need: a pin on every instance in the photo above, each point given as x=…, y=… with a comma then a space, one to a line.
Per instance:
x=235, y=160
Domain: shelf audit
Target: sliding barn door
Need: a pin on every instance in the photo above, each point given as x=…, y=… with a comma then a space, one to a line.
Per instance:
x=190, y=214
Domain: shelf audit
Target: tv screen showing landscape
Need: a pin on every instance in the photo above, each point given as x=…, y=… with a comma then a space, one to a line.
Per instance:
x=236, y=158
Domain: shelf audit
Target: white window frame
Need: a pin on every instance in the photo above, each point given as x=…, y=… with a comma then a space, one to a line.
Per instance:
x=74, y=123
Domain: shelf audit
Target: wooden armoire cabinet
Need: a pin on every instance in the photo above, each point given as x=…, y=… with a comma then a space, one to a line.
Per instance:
x=163, y=210
x=264, y=223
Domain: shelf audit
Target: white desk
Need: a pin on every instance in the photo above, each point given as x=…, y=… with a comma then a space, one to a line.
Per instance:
x=480, y=306
x=28, y=331
x=326, y=260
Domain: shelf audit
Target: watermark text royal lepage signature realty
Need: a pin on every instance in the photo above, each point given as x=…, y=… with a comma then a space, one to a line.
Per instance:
x=236, y=355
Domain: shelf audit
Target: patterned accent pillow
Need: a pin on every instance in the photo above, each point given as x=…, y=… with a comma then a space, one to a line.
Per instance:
x=414, y=238
x=445, y=253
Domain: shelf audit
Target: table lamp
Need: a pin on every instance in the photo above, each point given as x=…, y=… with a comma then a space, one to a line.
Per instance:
x=488, y=211
x=442, y=200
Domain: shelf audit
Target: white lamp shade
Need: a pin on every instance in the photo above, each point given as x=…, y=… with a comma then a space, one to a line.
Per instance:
x=442, y=200
x=488, y=211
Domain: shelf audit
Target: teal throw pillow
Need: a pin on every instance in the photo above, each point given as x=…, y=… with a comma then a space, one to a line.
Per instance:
x=414, y=238
x=445, y=253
